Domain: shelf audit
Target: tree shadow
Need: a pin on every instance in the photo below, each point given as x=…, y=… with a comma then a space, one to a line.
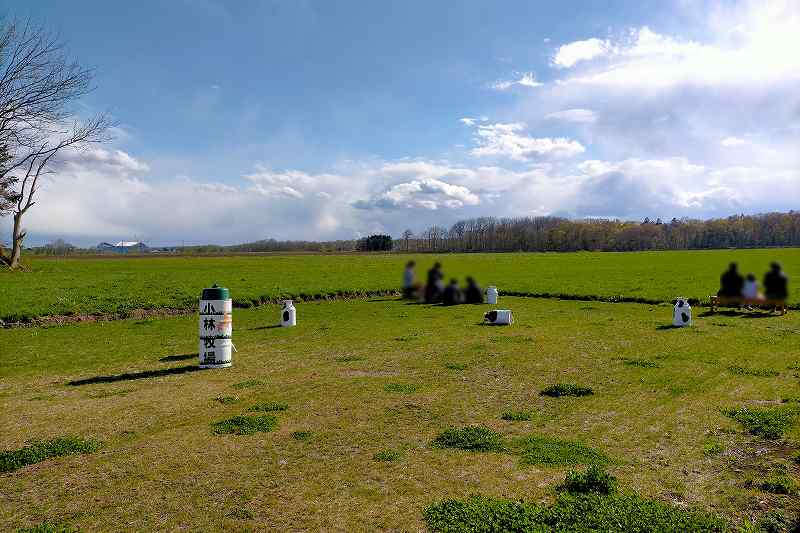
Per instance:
x=130, y=376
x=181, y=357
x=726, y=312
x=761, y=314
x=742, y=313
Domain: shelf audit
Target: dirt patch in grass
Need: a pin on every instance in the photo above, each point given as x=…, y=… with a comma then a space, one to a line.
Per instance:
x=245, y=425
x=39, y=451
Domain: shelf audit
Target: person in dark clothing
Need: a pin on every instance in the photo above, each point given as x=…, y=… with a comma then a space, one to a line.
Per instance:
x=473, y=293
x=410, y=287
x=435, y=286
x=776, y=283
x=452, y=294
x=731, y=282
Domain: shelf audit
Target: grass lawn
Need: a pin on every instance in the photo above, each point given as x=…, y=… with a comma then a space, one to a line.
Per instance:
x=350, y=402
x=119, y=285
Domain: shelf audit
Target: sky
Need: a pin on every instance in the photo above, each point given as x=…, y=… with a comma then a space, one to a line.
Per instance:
x=321, y=120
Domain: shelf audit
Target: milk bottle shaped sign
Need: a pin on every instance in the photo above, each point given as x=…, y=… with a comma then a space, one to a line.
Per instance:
x=288, y=314
x=491, y=295
x=682, y=313
x=216, y=328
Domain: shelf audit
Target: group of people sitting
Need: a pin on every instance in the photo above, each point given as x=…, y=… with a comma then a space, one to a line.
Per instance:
x=734, y=286
x=435, y=291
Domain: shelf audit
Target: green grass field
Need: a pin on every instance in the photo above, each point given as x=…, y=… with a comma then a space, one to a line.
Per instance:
x=368, y=377
x=119, y=285
x=354, y=419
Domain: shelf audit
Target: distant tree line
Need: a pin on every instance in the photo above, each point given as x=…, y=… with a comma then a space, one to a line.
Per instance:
x=272, y=245
x=57, y=247
x=533, y=234
x=375, y=243
x=555, y=234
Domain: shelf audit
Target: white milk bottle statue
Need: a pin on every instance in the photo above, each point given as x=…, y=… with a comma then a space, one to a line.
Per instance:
x=288, y=314
x=682, y=314
x=216, y=328
x=491, y=295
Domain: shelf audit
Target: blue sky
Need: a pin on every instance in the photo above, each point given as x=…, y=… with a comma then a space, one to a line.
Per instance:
x=322, y=120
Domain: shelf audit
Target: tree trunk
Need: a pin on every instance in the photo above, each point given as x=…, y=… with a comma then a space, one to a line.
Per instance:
x=16, y=245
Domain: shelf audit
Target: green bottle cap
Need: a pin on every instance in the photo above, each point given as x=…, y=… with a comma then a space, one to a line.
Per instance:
x=216, y=293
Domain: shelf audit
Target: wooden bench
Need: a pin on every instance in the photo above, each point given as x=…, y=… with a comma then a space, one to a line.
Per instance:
x=738, y=301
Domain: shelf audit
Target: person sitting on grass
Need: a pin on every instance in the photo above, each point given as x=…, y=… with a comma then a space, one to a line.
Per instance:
x=452, y=294
x=409, y=278
x=731, y=282
x=473, y=293
x=776, y=283
x=435, y=286
x=750, y=290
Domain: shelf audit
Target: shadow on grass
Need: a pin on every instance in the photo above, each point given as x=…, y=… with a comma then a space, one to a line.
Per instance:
x=663, y=327
x=181, y=357
x=273, y=326
x=741, y=313
x=129, y=376
x=762, y=314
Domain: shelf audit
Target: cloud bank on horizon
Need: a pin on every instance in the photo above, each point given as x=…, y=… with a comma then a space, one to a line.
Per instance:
x=703, y=121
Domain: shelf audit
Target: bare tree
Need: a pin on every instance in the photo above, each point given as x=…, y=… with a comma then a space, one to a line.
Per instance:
x=407, y=234
x=38, y=86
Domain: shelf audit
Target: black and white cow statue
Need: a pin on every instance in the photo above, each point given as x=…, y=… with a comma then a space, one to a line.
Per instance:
x=500, y=317
x=682, y=314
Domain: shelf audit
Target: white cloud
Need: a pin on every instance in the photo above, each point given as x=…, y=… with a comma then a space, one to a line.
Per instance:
x=426, y=193
x=524, y=79
x=581, y=116
x=758, y=51
x=733, y=141
x=570, y=54
x=634, y=188
x=505, y=140
x=112, y=159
